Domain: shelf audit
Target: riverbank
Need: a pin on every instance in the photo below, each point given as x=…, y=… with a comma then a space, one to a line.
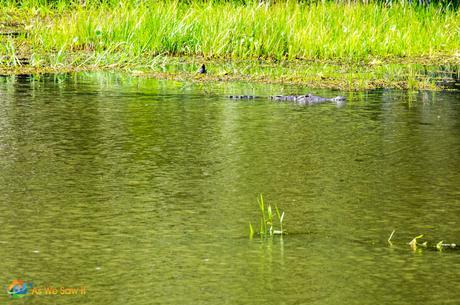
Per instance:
x=347, y=46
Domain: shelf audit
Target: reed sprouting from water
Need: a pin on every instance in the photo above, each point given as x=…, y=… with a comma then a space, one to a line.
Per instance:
x=130, y=31
x=268, y=219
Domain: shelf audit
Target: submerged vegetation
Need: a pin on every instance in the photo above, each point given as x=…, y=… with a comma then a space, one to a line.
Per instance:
x=415, y=243
x=267, y=219
x=355, y=40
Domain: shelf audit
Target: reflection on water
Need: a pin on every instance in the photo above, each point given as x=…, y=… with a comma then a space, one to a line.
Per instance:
x=142, y=191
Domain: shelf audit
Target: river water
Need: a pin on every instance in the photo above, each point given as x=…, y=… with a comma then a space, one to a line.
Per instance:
x=140, y=191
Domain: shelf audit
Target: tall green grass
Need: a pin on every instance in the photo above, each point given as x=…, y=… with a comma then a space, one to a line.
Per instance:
x=132, y=31
x=267, y=220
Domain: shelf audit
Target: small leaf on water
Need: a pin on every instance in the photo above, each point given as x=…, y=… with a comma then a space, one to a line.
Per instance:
x=413, y=243
x=439, y=245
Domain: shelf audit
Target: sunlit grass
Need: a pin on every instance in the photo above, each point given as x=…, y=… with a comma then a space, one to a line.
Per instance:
x=284, y=30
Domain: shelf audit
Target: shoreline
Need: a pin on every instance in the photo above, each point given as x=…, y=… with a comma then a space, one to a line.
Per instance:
x=331, y=45
x=428, y=75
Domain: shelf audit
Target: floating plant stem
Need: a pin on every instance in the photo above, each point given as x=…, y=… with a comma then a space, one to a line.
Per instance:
x=413, y=243
x=391, y=236
x=439, y=245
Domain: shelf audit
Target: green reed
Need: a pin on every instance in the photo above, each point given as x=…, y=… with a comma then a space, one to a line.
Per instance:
x=267, y=220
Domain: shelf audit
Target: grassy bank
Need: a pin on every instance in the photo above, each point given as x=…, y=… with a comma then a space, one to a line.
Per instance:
x=139, y=35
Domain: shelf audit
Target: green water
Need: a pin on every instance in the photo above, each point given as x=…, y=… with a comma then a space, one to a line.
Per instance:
x=141, y=192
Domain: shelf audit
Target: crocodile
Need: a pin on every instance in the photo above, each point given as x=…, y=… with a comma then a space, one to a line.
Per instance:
x=307, y=99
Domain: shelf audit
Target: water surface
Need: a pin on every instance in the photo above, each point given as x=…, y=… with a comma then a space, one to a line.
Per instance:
x=141, y=191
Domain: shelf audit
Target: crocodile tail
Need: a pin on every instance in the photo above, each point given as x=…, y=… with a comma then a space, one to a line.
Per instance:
x=240, y=97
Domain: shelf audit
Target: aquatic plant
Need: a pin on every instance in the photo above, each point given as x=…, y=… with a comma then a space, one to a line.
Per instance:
x=391, y=236
x=441, y=245
x=414, y=242
x=267, y=220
